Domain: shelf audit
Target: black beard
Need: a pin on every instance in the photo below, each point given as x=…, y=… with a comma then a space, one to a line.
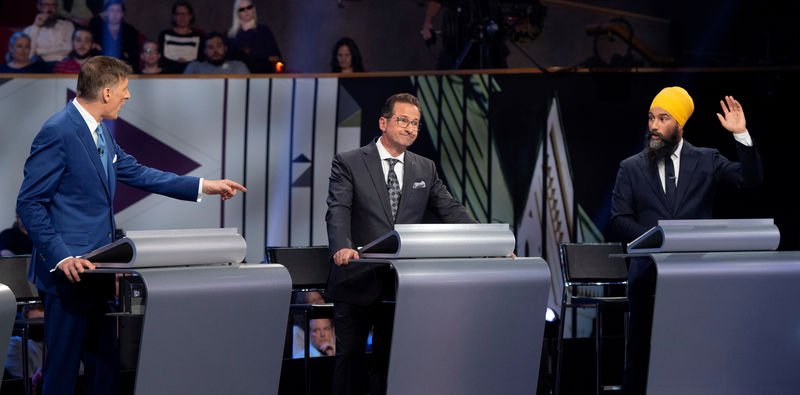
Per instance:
x=80, y=57
x=51, y=21
x=218, y=62
x=655, y=150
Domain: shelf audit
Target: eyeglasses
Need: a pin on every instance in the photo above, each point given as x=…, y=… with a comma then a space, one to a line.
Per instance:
x=246, y=8
x=403, y=123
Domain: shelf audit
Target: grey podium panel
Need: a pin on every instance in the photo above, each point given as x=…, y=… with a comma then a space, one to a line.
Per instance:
x=213, y=329
x=468, y=325
x=698, y=235
x=726, y=323
x=8, y=313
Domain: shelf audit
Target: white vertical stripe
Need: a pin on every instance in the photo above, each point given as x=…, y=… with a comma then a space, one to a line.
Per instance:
x=255, y=205
x=234, y=149
x=278, y=162
x=327, y=91
x=302, y=140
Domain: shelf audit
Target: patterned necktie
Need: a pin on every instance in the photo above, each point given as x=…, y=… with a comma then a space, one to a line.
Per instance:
x=670, y=186
x=394, y=187
x=101, y=148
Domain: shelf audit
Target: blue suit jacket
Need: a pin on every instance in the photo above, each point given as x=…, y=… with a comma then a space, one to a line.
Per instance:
x=66, y=198
x=359, y=212
x=638, y=200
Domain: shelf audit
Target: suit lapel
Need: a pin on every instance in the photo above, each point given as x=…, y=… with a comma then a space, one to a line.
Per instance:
x=372, y=162
x=654, y=180
x=85, y=137
x=686, y=172
x=408, y=180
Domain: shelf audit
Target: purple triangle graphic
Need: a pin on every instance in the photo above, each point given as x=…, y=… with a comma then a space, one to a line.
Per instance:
x=148, y=151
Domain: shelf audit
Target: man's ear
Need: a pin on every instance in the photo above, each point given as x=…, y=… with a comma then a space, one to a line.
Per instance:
x=106, y=94
x=382, y=124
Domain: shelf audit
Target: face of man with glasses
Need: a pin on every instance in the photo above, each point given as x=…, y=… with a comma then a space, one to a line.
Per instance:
x=401, y=128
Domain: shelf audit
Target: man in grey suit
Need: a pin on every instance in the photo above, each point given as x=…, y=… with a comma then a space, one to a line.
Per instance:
x=371, y=189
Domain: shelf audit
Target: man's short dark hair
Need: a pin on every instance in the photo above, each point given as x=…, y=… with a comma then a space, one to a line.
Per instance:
x=100, y=72
x=388, y=107
x=212, y=35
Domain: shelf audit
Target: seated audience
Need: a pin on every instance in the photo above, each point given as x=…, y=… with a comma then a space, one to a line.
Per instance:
x=15, y=240
x=80, y=12
x=35, y=345
x=180, y=44
x=151, y=58
x=114, y=36
x=51, y=37
x=215, y=51
x=82, y=42
x=346, y=57
x=18, y=56
x=251, y=42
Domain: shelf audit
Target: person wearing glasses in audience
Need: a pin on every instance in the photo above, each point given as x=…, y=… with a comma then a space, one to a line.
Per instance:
x=251, y=42
x=182, y=43
x=150, y=58
x=51, y=37
x=371, y=189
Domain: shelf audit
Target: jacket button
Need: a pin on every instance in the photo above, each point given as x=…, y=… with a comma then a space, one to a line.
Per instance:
x=109, y=235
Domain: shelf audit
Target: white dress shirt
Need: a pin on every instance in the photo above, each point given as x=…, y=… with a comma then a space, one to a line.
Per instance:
x=398, y=168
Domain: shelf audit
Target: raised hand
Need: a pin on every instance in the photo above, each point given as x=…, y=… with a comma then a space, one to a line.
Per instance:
x=732, y=117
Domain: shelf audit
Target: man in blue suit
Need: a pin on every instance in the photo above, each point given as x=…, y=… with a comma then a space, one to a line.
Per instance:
x=65, y=202
x=671, y=179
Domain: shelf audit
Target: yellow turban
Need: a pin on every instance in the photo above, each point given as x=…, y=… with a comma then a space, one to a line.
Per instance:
x=676, y=101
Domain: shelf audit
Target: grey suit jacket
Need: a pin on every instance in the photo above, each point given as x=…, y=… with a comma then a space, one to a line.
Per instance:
x=359, y=212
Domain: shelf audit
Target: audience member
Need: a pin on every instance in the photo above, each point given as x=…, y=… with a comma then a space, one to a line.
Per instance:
x=80, y=12
x=18, y=56
x=151, y=58
x=50, y=36
x=181, y=43
x=115, y=37
x=252, y=42
x=35, y=345
x=346, y=57
x=82, y=42
x=15, y=240
x=215, y=51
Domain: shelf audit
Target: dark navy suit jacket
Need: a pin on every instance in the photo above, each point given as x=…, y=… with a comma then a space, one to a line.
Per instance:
x=359, y=212
x=66, y=198
x=638, y=200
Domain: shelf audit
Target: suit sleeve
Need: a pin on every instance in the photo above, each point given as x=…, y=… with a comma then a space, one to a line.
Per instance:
x=42, y=176
x=131, y=172
x=748, y=172
x=340, y=203
x=623, y=208
x=443, y=204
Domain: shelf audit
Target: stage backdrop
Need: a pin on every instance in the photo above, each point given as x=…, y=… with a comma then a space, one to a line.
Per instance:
x=537, y=151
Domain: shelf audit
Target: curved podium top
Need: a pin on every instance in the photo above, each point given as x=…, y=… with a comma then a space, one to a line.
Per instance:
x=177, y=247
x=706, y=235
x=442, y=241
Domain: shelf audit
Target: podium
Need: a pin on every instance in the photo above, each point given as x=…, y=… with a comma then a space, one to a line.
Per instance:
x=211, y=325
x=8, y=313
x=462, y=324
x=725, y=319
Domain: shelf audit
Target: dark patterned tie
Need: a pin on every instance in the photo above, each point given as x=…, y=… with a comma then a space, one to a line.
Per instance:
x=670, y=186
x=394, y=187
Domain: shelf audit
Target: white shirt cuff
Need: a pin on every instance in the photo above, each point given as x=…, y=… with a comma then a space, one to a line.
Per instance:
x=60, y=262
x=744, y=138
x=200, y=191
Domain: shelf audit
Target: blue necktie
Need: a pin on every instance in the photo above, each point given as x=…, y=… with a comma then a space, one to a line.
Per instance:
x=101, y=148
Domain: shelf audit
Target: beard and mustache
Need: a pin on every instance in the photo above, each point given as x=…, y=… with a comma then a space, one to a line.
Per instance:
x=662, y=147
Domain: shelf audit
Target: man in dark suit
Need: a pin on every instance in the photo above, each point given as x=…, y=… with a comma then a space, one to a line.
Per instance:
x=65, y=202
x=371, y=189
x=671, y=179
